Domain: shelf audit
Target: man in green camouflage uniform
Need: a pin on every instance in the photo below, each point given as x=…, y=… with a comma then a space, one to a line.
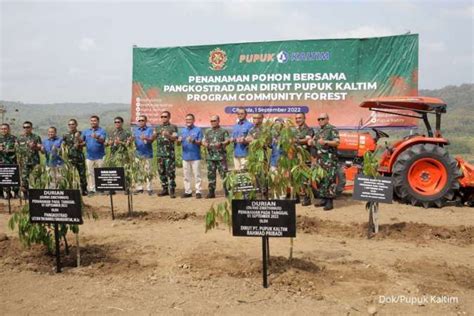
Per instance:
x=119, y=138
x=254, y=133
x=215, y=140
x=74, y=144
x=29, y=145
x=166, y=134
x=7, y=153
x=326, y=140
x=303, y=133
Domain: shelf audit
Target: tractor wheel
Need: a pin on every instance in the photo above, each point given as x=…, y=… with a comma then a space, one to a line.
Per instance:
x=340, y=180
x=425, y=175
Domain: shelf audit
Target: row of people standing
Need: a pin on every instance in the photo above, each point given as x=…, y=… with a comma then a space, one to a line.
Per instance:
x=166, y=135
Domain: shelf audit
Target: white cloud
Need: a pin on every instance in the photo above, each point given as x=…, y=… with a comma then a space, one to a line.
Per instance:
x=366, y=31
x=73, y=71
x=460, y=12
x=433, y=46
x=86, y=44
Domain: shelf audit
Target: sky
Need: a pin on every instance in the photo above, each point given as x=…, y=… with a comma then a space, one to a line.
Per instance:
x=81, y=51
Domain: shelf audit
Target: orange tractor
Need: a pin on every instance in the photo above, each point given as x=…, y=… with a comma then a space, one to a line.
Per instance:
x=422, y=170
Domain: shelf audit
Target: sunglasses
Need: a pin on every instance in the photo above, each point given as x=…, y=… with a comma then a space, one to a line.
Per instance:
x=321, y=119
x=213, y=121
x=164, y=116
x=117, y=122
x=25, y=127
x=138, y=120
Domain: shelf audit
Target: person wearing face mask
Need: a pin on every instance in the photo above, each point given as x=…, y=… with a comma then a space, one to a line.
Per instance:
x=74, y=144
x=29, y=145
x=143, y=136
x=166, y=135
x=94, y=138
x=190, y=139
x=51, y=148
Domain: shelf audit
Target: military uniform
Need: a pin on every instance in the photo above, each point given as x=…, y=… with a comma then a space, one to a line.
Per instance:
x=327, y=159
x=7, y=152
x=165, y=154
x=122, y=135
x=71, y=141
x=255, y=133
x=216, y=155
x=8, y=155
x=29, y=157
x=301, y=132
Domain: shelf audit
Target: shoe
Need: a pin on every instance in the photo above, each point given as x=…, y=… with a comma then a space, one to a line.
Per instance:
x=321, y=203
x=172, y=193
x=328, y=205
x=150, y=192
x=306, y=201
x=137, y=191
x=198, y=196
x=211, y=195
x=112, y=193
x=85, y=193
x=163, y=192
x=91, y=193
x=186, y=195
x=297, y=200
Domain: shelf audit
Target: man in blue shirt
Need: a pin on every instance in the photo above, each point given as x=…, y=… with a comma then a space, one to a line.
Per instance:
x=94, y=138
x=190, y=138
x=143, y=135
x=51, y=148
x=239, y=133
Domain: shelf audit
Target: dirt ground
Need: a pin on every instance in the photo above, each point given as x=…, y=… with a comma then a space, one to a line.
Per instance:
x=161, y=261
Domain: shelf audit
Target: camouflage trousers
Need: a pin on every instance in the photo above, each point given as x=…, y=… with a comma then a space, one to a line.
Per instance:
x=167, y=172
x=327, y=185
x=212, y=167
x=80, y=166
x=25, y=175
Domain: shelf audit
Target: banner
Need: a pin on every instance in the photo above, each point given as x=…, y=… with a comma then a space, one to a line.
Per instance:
x=277, y=79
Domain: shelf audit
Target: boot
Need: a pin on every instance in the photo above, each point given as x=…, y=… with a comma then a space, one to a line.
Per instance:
x=328, y=205
x=321, y=203
x=211, y=194
x=163, y=192
x=172, y=193
x=306, y=201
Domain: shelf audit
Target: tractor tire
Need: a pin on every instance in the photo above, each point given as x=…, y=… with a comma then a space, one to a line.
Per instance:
x=340, y=180
x=425, y=175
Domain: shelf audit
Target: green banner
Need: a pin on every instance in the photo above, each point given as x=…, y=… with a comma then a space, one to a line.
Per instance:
x=277, y=79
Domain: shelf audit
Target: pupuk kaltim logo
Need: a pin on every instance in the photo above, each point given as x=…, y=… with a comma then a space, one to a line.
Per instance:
x=217, y=59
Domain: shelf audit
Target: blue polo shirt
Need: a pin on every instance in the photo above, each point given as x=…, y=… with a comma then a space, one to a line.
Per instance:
x=241, y=129
x=94, y=149
x=52, y=148
x=191, y=151
x=276, y=153
x=144, y=150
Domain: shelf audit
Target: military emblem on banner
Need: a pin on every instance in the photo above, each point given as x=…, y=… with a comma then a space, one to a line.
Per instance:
x=217, y=59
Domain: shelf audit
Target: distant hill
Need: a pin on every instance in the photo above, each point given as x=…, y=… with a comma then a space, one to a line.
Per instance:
x=457, y=124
